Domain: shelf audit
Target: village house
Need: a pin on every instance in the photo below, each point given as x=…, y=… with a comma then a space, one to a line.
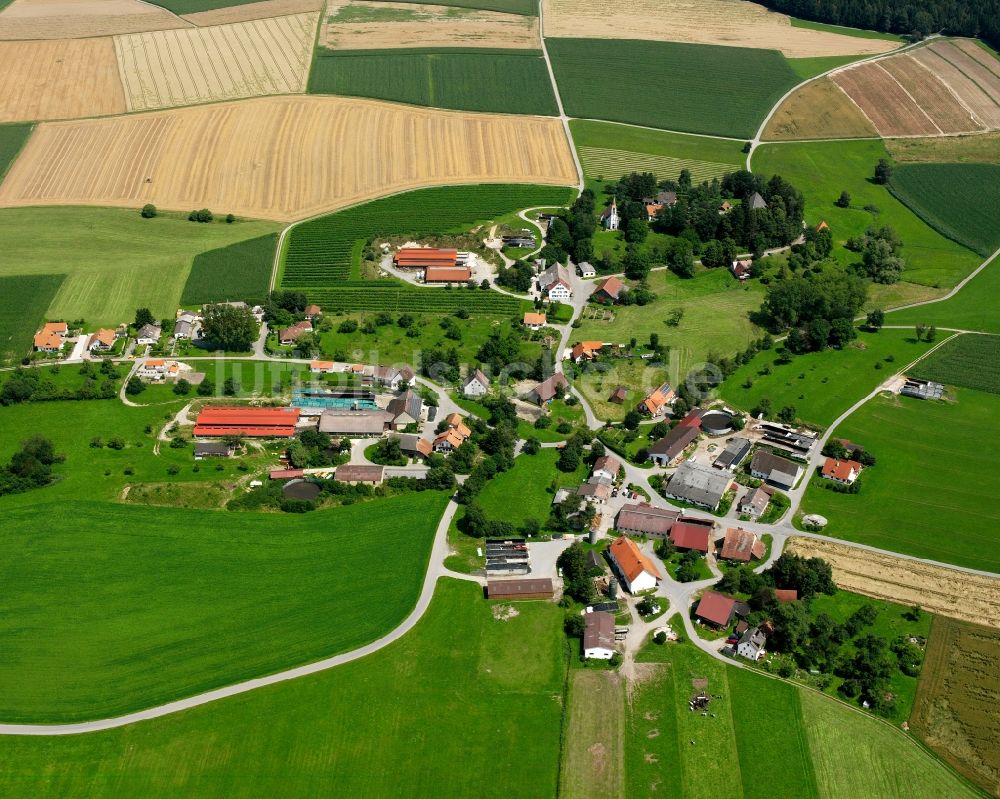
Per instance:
x=774, y=469
x=741, y=269
x=844, y=472
x=534, y=321
x=607, y=466
x=586, y=270
x=322, y=367
x=101, y=341
x=555, y=283
x=651, y=210
x=644, y=519
x=148, y=334
x=636, y=571
x=312, y=311
x=619, y=395
x=406, y=409
x=715, y=609
x=585, y=351
x=595, y=491
x=476, y=384
x=755, y=502
x=741, y=546
x=413, y=446
x=292, y=334
x=452, y=438
x=359, y=474
x=186, y=324
x=609, y=290
x=692, y=534
x=751, y=644
x=598, y=635
x=609, y=216
x=698, y=485
x=669, y=448
x=657, y=401
x=548, y=389
x=736, y=450
x=152, y=369
x=725, y=207
x=392, y=377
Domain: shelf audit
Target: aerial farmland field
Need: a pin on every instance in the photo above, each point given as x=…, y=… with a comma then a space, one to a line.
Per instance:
x=239, y=271
x=819, y=109
x=967, y=361
x=26, y=299
x=57, y=19
x=224, y=15
x=309, y=155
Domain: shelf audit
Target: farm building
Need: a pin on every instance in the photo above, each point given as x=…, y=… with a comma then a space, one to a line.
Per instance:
x=250, y=422
x=798, y=443
x=519, y=589
x=751, y=644
x=424, y=258
x=609, y=290
x=736, y=450
x=413, y=445
x=755, y=501
x=599, y=635
x=921, y=389
x=845, y=472
x=595, y=491
x=741, y=269
x=342, y=422
x=672, y=445
x=585, y=350
x=657, y=401
x=359, y=474
x=715, y=609
x=534, y=321
x=757, y=202
x=607, y=466
x=148, y=334
x=644, y=519
x=693, y=534
x=610, y=219
x=476, y=384
x=547, y=390
x=509, y=556
x=636, y=571
x=555, y=283
x=448, y=441
x=52, y=337
x=290, y=335
x=586, y=270
x=392, y=376
x=152, y=369
x=447, y=274
x=774, y=469
x=406, y=409
x=286, y=474
x=700, y=485
x=213, y=449
x=619, y=395
x=521, y=240
x=741, y=546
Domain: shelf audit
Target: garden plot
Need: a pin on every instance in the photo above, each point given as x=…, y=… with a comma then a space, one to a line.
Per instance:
x=308, y=155
x=366, y=26
x=59, y=80
x=725, y=22
x=223, y=62
x=249, y=11
x=75, y=19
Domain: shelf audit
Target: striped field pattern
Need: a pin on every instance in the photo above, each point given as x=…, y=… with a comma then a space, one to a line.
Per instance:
x=162, y=69
x=612, y=164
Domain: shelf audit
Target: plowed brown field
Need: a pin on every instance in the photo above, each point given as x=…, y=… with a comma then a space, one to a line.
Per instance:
x=884, y=102
x=59, y=79
x=249, y=11
x=819, y=110
x=224, y=62
x=992, y=63
x=727, y=22
x=936, y=99
x=940, y=59
x=948, y=592
x=78, y=19
x=280, y=158
x=366, y=26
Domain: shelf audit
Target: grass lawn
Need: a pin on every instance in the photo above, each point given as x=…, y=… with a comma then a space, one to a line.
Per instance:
x=592, y=766
x=822, y=385
x=716, y=318
x=241, y=271
x=983, y=148
x=701, y=565
x=807, y=68
x=926, y=492
x=117, y=608
x=253, y=379
x=822, y=170
x=464, y=705
x=687, y=87
x=973, y=308
x=843, y=30
x=12, y=139
x=603, y=377
x=114, y=260
x=966, y=361
x=26, y=298
x=503, y=81
x=524, y=7
x=957, y=200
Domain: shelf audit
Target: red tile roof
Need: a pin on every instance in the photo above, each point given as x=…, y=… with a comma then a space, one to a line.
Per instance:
x=716, y=608
x=786, y=594
x=686, y=535
x=286, y=474
x=418, y=257
x=255, y=422
x=834, y=469
x=741, y=545
x=611, y=286
x=630, y=559
x=447, y=274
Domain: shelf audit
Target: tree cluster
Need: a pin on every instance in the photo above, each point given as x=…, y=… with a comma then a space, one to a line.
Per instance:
x=818, y=310
x=34, y=385
x=880, y=258
x=30, y=467
x=577, y=582
x=517, y=277
x=282, y=308
x=228, y=327
x=312, y=449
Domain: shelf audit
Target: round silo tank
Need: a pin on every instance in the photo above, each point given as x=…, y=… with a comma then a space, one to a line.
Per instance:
x=593, y=536
x=613, y=588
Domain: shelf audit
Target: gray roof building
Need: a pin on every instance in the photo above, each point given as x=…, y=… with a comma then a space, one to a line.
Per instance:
x=354, y=423
x=756, y=201
x=644, y=519
x=697, y=484
x=546, y=390
x=673, y=444
x=775, y=469
x=358, y=473
x=751, y=644
x=599, y=631
x=406, y=408
x=736, y=450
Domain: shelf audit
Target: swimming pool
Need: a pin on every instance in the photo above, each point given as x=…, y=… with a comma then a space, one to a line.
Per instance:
x=301, y=399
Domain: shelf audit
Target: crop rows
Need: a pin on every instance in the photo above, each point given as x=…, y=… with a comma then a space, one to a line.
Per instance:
x=395, y=297
x=320, y=251
x=968, y=361
x=25, y=301
x=612, y=164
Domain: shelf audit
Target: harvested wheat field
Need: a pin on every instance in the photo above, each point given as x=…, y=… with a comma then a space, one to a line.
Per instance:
x=976, y=85
x=223, y=62
x=819, y=110
x=60, y=79
x=249, y=11
x=305, y=155
x=887, y=104
x=369, y=26
x=936, y=99
x=79, y=19
x=726, y=22
x=948, y=592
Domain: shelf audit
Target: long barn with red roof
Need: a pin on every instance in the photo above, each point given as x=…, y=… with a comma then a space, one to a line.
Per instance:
x=250, y=422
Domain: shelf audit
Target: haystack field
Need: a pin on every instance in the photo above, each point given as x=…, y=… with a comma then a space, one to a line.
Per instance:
x=223, y=62
x=59, y=79
x=78, y=19
x=819, y=110
x=726, y=22
x=306, y=155
x=948, y=592
x=368, y=26
x=249, y=11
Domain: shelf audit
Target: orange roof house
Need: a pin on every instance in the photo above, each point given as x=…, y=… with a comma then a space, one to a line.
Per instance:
x=740, y=545
x=657, y=400
x=841, y=471
x=51, y=337
x=635, y=570
x=321, y=366
x=534, y=320
x=822, y=226
x=609, y=290
x=454, y=421
x=103, y=339
x=586, y=350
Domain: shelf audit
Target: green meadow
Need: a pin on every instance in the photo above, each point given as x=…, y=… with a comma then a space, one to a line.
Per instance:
x=974, y=307
x=967, y=361
x=26, y=299
x=241, y=271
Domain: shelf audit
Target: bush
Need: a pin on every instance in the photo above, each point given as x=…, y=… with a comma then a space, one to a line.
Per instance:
x=116, y=443
x=204, y=215
x=660, y=638
x=148, y=211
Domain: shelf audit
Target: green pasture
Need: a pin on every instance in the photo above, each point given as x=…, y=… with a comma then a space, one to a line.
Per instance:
x=822, y=385
x=599, y=380
x=822, y=170
x=194, y=6
x=113, y=259
x=26, y=298
x=957, y=200
x=12, y=137
x=463, y=705
x=967, y=361
x=241, y=271
x=974, y=307
x=810, y=67
x=696, y=88
x=252, y=379
x=932, y=491
x=844, y=31
x=523, y=492
x=502, y=81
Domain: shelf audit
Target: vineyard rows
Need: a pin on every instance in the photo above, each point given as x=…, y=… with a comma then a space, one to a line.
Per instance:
x=612, y=164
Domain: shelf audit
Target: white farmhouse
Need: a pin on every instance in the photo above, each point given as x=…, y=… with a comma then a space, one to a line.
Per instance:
x=599, y=636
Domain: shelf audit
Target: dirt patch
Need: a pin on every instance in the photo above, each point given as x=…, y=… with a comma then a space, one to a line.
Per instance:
x=653, y=733
x=598, y=759
x=59, y=80
x=819, y=109
x=308, y=155
x=725, y=22
x=649, y=757
x=948, y=592
x=367, y=26
x=651, y=715
x=249, y=11
x=699, y=683
x=80, y=19
x=504, y=612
